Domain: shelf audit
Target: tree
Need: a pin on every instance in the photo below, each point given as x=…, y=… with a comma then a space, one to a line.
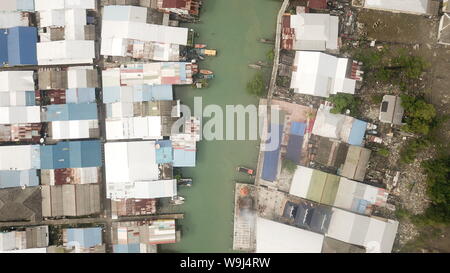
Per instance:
x=438, y=189
x=256, y=85
x=419, y=114
x=342, y=102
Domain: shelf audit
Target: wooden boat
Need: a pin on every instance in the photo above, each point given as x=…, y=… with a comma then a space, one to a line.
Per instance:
x=246, y=170
x=206, y=72
x=255, y=66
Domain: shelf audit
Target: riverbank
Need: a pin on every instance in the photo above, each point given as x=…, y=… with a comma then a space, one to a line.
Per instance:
x=233, y=27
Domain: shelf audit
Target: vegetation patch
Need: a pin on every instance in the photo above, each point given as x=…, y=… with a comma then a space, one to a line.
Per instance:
x=342, y=102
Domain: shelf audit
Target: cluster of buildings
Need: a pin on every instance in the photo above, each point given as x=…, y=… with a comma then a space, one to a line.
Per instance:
x=324, y=203
x=76, y=124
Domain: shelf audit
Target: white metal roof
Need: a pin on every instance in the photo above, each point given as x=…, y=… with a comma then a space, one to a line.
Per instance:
x=72, y=129
x=130, y=161
x=408, y=6
x=40, y=5
x=66, y=52
x=319, y=30
x=300, y=181
x=77, y=76
x=320, y=74
x=374, y=234
x=134, y=128
x=328, y=124
x=273, y=237
x=144, y=32
x=13, y=19
x=155, y=189
x=16, y=81
x=20, y=114
x=17, y=157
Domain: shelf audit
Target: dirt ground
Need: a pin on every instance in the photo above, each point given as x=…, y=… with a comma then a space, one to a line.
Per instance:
x=417, y=35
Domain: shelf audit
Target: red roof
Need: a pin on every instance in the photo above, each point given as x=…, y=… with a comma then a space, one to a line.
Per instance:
x=174, y=4
x=317, y=4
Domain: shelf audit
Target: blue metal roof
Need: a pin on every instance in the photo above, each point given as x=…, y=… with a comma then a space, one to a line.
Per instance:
x=12, y=179
x=298, y=128
x=183, y=158
x=129, y=248
x=271, y=157
x=80, y=95
x=357, y=133
x=18, y=46
x=164, y=153
x=73, y=111
x=294, y=148
x=84, y=237
x=72, y=154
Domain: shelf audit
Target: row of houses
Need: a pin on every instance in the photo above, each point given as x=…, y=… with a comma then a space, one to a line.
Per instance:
x=324, y=204
x=52, y=154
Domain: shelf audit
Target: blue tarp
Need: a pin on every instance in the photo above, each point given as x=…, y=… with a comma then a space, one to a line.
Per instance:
x=270, y=164
x=84, y=237
x=12, y=179
x=357, y=133
x=298, y=128
x=294, y=148
x=72, y=154
x=80, y=95
x=63, y=112
x=18, y=46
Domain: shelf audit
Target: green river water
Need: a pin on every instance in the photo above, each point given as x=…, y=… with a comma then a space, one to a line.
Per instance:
x=233, y=27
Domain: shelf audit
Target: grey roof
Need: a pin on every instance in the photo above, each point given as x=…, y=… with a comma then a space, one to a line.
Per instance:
x=17, y=204
x=356, y=162
x=391, y=110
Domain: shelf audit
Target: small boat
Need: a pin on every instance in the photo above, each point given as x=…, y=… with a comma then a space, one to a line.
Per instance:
x=200, y=46
x=185, y=182
x=206, y=72
x=177, y=200
x=246, y=170
x=207, y=77
x=255, y=66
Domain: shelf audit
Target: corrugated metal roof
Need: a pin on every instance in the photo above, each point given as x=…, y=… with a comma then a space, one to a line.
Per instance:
x=73, y=154
x=270, y=164
x=18, y=46
x=11, y=179
x=294, y=148
x=74, y=111
x=84, y=237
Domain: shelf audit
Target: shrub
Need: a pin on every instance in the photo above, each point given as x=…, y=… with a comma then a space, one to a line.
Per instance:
x=289, y=165
x=256, y=85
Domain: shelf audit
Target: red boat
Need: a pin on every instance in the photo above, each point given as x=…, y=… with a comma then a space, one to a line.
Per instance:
x=200, y=46
x=246, y=171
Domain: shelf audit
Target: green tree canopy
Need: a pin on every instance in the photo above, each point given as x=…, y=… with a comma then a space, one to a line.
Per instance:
x=342, y=102
x=420, y=115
